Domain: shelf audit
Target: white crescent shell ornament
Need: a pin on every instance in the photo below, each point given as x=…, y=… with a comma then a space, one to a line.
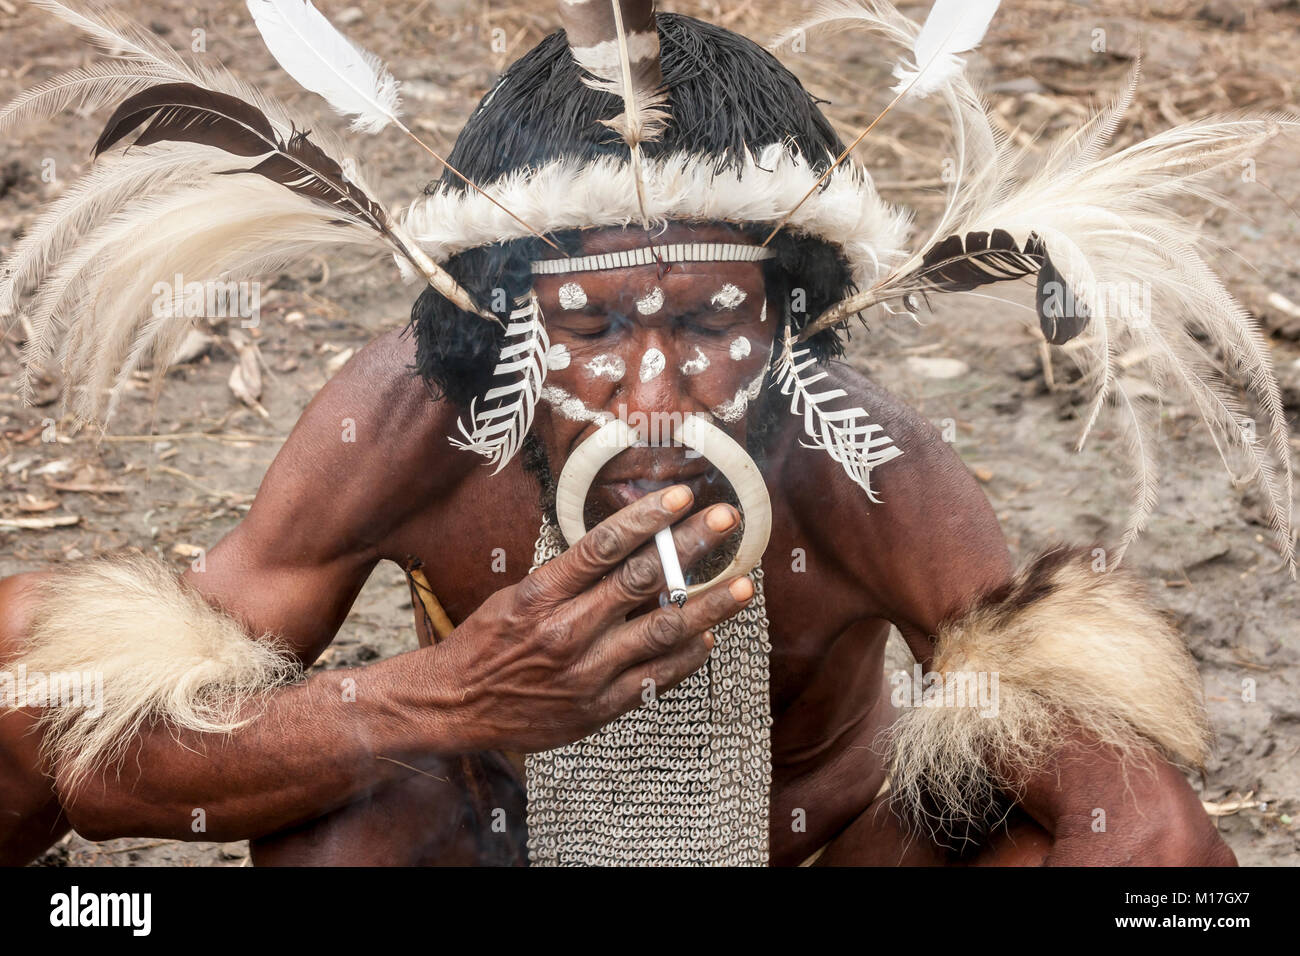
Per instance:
x=694, y=432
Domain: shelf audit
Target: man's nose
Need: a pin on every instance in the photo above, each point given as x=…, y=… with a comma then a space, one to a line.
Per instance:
x=654, y=382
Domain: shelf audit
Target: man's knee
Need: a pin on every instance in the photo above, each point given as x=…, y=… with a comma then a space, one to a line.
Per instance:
x=30, y=817
x=18, y=595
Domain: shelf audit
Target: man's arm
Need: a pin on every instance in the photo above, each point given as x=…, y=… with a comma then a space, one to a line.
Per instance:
x=355, y=467
x=540, y=664
x=292, y=568
x=934, y=552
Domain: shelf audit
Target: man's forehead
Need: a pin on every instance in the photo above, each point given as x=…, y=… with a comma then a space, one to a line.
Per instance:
x=688, y=281
x=730, y=282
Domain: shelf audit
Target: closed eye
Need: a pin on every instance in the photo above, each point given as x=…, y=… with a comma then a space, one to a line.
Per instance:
x=591, y=324
x=589, y=334
x=707, y=326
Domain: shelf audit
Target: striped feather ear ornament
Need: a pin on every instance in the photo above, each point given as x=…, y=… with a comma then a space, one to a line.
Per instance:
x=845, y=434
x=617, y=43
x=498, y=431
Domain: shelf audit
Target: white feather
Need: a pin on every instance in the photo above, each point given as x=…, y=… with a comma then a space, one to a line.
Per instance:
x=845, y=434
x=1138, y=438
x=952, y=28
x=321, y=59
x=498, y=431
x=113, y=180
x=119, y=36
x=97, y=308
x=90, y=88
x=143, y=61
x=1137, y=267
x=977, y=145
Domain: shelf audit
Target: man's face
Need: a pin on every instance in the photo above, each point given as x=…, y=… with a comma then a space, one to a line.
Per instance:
x=650, y=345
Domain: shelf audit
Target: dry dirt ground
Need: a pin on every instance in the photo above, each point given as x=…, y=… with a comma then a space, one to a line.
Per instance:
x=177, y=475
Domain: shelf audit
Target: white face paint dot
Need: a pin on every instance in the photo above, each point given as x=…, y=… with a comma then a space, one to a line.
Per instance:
x=729, y=297
x=734, y=410
x=572, y=296
x=740, y=349
x=558, y=358
x=697, y=364
x=763, y=316
x=652, y=303
x=607, y=366
x=652, y=364
x=572, y=407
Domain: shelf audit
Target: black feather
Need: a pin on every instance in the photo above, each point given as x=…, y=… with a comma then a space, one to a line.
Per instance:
x=185, y=112
x=963, y=263
x=1061, y=314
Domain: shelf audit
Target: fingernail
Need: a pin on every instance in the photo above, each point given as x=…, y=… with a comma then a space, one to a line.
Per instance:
x=721, y=518
x=709, y=639
x=742, y=589
x=677, y=497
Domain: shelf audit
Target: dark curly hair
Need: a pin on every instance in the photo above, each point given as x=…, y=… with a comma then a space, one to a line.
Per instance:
x=540, y=110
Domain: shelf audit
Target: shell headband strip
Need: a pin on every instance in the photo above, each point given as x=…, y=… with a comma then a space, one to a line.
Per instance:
x=650, y=255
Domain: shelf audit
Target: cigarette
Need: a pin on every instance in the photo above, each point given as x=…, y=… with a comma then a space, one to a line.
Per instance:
x=673, y=576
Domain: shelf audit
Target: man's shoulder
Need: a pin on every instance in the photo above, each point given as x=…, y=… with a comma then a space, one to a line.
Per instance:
x=932, y=529
x=926, y=461
x=373, y=443
x=379, y=399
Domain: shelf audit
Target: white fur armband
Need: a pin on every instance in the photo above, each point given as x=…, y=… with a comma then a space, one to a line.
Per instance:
x=1065, y=649
x=151, y=649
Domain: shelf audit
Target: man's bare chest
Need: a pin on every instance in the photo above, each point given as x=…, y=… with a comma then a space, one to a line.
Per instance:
x=822, y=631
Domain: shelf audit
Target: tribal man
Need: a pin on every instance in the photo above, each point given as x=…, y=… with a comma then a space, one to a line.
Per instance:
x=642, y=263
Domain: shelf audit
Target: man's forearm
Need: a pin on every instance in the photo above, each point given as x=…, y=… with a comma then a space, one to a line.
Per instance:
x=309, y=749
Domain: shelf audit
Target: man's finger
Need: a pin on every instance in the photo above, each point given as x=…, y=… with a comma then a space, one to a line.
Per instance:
x=663, y=632
x=604, y=546
x=641, y=684
x=641, y=576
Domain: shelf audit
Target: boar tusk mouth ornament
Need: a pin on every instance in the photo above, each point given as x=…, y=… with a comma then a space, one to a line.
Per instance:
x=694, y=432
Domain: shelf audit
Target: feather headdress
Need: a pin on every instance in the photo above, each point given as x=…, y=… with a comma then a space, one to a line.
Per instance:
x=220, y=183
x=1116, y=271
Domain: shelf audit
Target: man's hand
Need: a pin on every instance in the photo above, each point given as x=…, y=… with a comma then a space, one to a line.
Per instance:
x=553, y=658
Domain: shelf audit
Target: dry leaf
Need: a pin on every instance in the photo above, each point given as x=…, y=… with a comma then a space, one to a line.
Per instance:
x=40, y=524
x=38, y=504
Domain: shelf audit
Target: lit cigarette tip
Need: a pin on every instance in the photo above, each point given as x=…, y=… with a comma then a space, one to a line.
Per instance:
x=673, y=576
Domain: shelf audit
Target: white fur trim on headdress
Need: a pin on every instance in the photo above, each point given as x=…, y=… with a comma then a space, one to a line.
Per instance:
x=161, y=651
x=1070, y=649
x=574, y=194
